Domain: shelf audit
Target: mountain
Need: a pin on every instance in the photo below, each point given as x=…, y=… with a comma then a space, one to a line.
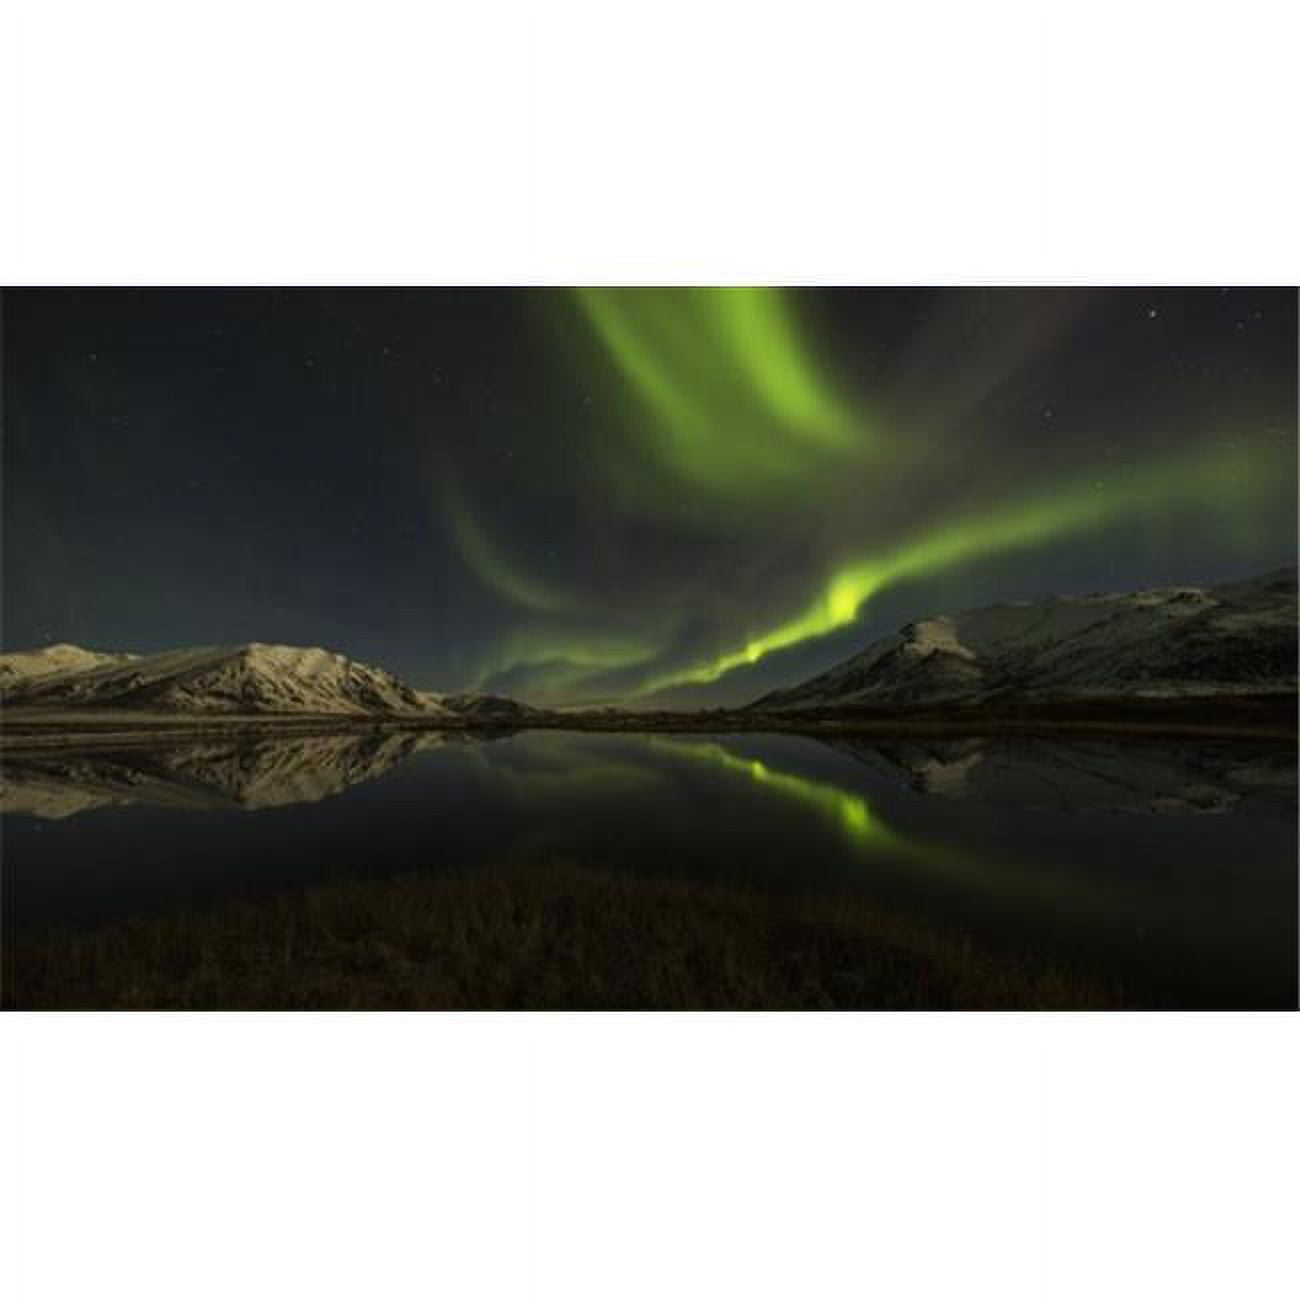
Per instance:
x=243, y=679
x=495, y=708
x=1233, y=640
x=62, y=658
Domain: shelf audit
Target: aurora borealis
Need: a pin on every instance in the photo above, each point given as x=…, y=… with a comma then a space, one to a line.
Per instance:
x=708, y=363
x=664, y=496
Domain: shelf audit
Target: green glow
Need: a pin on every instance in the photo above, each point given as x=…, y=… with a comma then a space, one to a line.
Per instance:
x=568, y=775
x=850, y=813
x=759, y=329
x=492, y=567
x=734, y=399
x=562, y=657
x=1218, y=476
x=846, y=810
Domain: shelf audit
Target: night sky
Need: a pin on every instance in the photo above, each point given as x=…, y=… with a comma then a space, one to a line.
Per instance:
x=649, y=496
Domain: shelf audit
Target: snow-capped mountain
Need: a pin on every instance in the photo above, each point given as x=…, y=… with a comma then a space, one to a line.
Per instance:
x=1234, y=639
x=62, y=658
x=241, y=679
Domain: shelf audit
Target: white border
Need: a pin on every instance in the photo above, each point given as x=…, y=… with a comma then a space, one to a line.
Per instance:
x=643, y=1156
x=313, y=141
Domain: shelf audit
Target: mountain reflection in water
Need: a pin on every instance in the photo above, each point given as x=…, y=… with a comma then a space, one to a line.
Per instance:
x=253, y=773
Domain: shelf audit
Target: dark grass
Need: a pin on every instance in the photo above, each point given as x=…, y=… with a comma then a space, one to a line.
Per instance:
x=545, y=937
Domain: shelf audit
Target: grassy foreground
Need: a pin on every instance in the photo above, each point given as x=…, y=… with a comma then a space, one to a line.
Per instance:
x=554, y=937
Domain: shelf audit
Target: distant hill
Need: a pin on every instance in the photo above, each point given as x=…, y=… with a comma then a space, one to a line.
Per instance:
x=1233, y=640
x=22, y=665
x=499, y=708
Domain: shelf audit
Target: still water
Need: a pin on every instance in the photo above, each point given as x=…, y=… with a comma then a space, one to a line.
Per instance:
x=1166, y=869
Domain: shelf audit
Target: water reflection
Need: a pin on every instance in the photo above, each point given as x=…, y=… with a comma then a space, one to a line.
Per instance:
x=232, y=772
x=847, y=810
x=1195, y=777
x=1098, y=850
x=252, y=773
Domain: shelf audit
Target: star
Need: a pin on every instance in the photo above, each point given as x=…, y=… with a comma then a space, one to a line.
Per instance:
x=1152, y=313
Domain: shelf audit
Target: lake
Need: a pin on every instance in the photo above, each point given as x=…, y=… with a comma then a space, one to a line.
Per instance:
x=1165, y=869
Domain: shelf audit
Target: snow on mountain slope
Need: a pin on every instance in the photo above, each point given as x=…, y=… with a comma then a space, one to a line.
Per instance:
x=62, y=658
x=251, y=678
x=1234, y=639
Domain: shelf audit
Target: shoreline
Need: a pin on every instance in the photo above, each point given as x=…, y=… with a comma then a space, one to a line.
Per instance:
x=1247, y=718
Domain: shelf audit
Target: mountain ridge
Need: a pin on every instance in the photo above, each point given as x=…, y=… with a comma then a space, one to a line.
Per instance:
x=248, y=678
x=1232, y=639
x=1230, y=648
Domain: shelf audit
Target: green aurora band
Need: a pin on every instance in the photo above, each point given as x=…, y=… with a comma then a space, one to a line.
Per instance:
x=734, y=400
x=1217, y=477
x=1223, y=480
x=567, y=657
x=730, y=401
x=491, y=566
